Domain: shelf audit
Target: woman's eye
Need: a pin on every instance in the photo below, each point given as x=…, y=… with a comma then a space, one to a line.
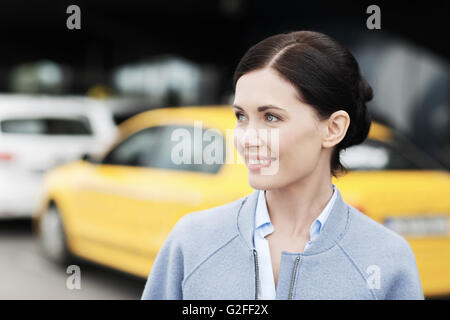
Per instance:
x=239, y=116
x=271, y=118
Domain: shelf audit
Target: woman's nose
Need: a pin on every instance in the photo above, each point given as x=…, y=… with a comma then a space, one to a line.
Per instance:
x=252, y=138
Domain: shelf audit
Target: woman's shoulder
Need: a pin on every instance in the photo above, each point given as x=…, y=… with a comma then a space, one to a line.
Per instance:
x=209, y=227
x=380, y=253
x=369, y=240
x=219, y=216
x=362, y=225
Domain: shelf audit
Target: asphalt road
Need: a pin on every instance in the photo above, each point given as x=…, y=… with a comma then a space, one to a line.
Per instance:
x=26, y=274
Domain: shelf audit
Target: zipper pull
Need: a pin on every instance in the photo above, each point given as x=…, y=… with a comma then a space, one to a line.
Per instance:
x=294, y=273
x=255, y=256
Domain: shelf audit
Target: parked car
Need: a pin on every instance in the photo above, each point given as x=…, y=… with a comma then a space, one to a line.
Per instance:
x=38, y=133
x=118, y=209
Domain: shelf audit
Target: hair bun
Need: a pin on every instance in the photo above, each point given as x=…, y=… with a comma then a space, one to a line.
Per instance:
x=365, y=90
x=360, y=127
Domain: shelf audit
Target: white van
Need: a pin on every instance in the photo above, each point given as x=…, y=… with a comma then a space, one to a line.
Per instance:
x=38, y=133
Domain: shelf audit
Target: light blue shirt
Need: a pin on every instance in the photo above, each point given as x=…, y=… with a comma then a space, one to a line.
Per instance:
x=264, y=227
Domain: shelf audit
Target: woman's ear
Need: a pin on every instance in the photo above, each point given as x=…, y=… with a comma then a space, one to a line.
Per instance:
x=335, y=128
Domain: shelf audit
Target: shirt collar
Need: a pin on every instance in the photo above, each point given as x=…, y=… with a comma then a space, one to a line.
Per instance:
x=333, y=230
x=262, y=214
x=262, y=217
x=322, y=218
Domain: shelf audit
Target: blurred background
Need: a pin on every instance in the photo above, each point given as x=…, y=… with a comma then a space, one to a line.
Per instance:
x=65, y=93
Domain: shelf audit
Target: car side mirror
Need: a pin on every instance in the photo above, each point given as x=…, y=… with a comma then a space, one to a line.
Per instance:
x=89, y=158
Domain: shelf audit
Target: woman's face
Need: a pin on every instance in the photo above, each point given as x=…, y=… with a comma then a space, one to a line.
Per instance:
x=279, y=137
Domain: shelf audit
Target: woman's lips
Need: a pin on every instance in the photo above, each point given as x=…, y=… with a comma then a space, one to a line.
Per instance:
x=259, y=162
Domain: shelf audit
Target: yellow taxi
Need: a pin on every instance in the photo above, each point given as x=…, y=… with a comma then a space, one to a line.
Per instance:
x=117, y=209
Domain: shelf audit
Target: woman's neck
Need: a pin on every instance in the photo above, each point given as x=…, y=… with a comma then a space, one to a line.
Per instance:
x=294, y=208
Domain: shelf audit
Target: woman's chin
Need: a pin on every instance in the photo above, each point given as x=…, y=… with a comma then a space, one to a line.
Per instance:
x=261, y=182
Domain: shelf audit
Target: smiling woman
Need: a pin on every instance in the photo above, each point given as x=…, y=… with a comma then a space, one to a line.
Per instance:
x=299, y=100
x=312, y=74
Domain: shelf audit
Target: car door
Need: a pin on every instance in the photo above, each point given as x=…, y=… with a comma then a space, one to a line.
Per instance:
x=111, y=196
x=131, y=200
x=178, y=187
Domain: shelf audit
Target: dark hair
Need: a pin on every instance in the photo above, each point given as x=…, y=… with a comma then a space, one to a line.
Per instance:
x=326, y=75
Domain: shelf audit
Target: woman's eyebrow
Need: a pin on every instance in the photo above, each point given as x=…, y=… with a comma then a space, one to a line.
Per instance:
x=262, y=108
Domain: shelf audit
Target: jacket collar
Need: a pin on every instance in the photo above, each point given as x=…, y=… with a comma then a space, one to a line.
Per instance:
x=332, y=231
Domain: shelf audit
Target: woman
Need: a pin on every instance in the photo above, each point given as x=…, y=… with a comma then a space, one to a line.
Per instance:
x=299, y=100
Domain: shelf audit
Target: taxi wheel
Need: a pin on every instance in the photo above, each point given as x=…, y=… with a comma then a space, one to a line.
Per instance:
x=53, y=238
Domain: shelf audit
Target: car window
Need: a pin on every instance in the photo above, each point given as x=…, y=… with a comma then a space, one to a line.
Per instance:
x=171, y=147
x=47, y=126
x=379, y=155
x=376, y=155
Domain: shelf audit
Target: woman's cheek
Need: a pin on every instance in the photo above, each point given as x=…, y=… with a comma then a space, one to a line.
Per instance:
x=298, y=153
x=237, y=136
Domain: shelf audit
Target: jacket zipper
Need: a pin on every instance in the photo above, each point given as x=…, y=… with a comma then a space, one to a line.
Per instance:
x=255, y=255
x=291, y=290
